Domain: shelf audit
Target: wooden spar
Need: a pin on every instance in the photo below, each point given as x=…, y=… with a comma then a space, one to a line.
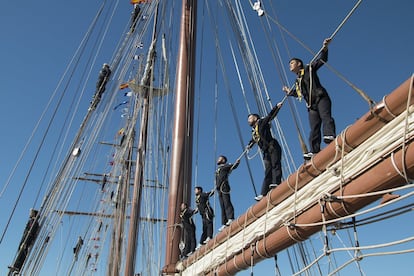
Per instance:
x=181, y=155
x=353, y=136
x=140, y=164
x=381, y=177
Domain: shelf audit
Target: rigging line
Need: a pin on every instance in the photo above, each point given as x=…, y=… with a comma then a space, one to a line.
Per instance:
x=73, y=115
x=318, y=258
x=294, y=111
x=357, y=214
x=62, y=141
x=223, y=69
x=79, y=49
x=250, y=59
x=284, y=79
x=357, y=251
x=247, y=56
x=371, y=255
x=407, y=186
x=370, y=220
x=254, y=68
x=71, y=225
x=274, y=48
x=314, y=255
x=339, y=27
x=197, y=136
x=248, y=108
x=336, y=72
x=37, y=151
x=64, y=194
x=293, y=108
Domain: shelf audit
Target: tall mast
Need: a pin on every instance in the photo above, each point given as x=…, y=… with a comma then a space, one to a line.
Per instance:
x=145, y=86
x=181, y=157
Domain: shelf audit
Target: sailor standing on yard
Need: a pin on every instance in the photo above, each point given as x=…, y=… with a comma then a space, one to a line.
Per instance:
x=189, y=229
x=206, y=212
x=318, y=102
x=223, y=188
x=271, y=150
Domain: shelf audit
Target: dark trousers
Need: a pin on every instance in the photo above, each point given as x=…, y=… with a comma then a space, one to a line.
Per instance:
x=227, y=210
x=273, y=168
x=189, y=239
x=320, y=115
x=207, y=229
x=21, y=257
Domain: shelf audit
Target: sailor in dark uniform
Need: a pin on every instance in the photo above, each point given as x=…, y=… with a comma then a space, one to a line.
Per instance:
x=189, y=229
x=206, y=212
x=223, y=188
x=103, y=78
x=271, y=150
x=134, y=17
x=29, y=237
x=318, y=102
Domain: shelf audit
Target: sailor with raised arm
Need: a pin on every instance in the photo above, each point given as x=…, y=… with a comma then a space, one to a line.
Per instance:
x=271, y=150
x=223, y=188
x=318, y=102
x=206, y=212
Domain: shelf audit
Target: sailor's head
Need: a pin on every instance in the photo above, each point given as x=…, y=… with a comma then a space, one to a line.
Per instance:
x=198, y=190
x=106, y=65
x=184, y=206
x=295, y=64
x=252, y=119
x=221, y=160
x=32, y=213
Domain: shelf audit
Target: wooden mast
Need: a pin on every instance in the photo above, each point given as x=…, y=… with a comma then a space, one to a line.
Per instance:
x=181, y=156
x=144, y=88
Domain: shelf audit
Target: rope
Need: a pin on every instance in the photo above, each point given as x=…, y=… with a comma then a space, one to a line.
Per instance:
x=330, y=67
x=326, y=241
x=356, y=214
x=228, y=90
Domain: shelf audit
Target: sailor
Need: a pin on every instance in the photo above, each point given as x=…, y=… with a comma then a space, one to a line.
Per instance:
x=29, y=237
x=271, y=150
x=77, y=248
x=189, y=228
x=103, y=78
x=134, y=17
x=318, y=102
x=223, y=188
x=206, y=212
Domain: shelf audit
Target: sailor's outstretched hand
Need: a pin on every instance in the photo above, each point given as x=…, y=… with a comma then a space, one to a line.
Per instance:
x=286, y=89
x=326, y=42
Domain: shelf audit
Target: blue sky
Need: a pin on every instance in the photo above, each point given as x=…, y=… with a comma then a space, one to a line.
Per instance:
x=373, y=50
